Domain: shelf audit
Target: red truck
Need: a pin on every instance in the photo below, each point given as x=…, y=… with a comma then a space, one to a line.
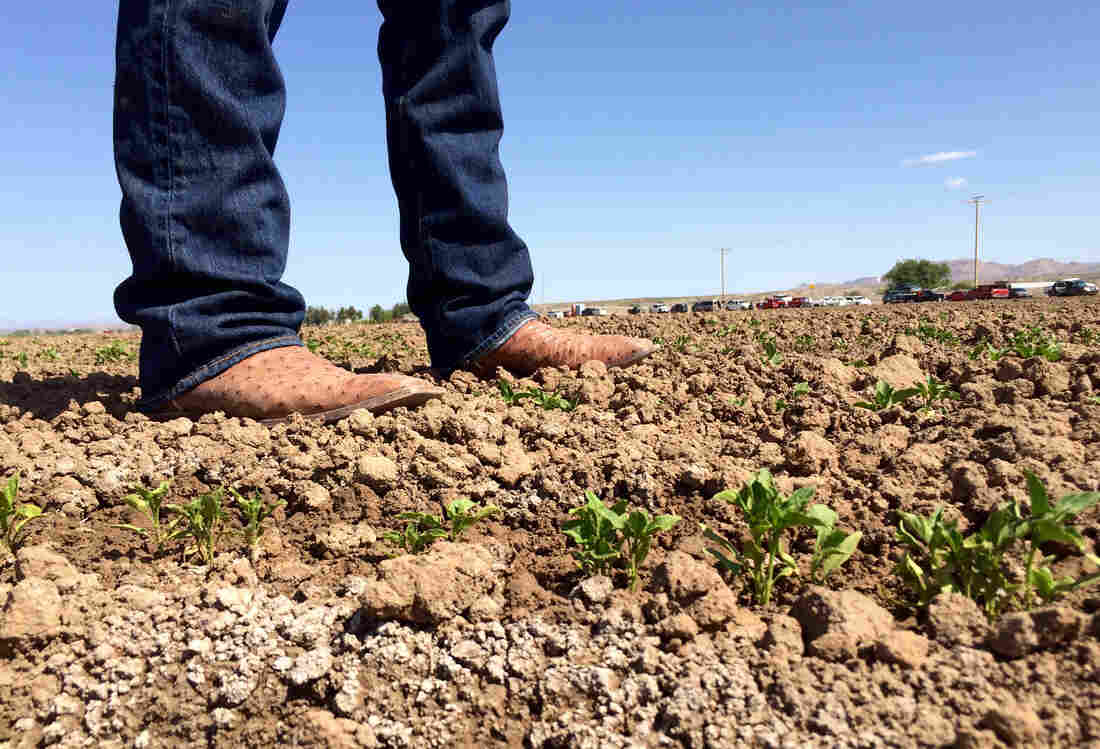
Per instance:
x=1000, y=290
x=800, y=301
x=772, y=303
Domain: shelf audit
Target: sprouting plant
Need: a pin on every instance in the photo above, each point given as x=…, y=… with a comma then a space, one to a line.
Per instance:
x=928, y=332
x=638, y=531
x=1087, y=336
x=422, y=528
x=986, y=349
x=800, y=389
x=593, y=529
x=933, y=391
x=253, y=513
x=1049, y=521
x=604, y=535
x=680, y=343
x=547, y=401
x=1033, y=341
x=21, y=357
x=462, y=513
x=860, y=364
x=203, y=518
x=832, y=547
x=1093, y=399
x=114, y=352
x=886, y=397
x=804, y=343
x=312, y=344
x=150, y=502
x=771, y=350
x=13, y=517
x=764, y=557
x=738, y=402
x=52, y=354
x=551, y=401
x=938, y=558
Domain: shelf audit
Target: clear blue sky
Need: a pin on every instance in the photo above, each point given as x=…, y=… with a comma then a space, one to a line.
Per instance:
x=640, y=136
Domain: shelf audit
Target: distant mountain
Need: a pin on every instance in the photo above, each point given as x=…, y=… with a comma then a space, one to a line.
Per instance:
x=1041, y=269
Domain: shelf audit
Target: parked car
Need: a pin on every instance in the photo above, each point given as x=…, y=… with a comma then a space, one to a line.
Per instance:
x=735, y=304
x=594, y=312
x=556, y=313
x=900, y=294
x=1017, y=292
x=679, y=307
x=856, y=300
x=928, y=295
x=635, y=310
x=704, y=305
x=772, y=303
x=659, y=307
x=1072, y=287
x=999, y=290
x=800, y=301
x=960, y=295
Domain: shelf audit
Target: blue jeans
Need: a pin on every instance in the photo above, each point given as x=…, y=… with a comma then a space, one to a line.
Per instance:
x=199, y=99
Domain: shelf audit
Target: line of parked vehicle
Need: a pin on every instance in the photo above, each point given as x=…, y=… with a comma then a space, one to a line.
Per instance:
x=1000, y=290
x=773, y=302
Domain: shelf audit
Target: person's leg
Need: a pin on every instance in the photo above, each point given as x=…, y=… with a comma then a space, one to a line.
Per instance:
x=198, y=104
x=470, y=274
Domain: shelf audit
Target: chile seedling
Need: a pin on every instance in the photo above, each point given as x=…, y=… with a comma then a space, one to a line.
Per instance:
x=14, y=517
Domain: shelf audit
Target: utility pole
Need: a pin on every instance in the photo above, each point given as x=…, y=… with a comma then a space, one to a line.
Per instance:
x=977, y=201
x=723, y=252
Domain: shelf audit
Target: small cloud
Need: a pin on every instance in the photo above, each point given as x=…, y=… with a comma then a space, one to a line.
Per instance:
x=939, y=158
x=955, y=183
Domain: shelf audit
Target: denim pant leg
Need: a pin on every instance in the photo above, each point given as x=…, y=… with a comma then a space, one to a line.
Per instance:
x=199, y=100
x=469, y=273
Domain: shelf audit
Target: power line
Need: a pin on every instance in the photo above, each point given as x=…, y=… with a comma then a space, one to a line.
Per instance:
x=723, y=252
x=977, y=201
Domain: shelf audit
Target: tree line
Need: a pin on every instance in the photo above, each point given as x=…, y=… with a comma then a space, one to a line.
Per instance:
x=378, y=313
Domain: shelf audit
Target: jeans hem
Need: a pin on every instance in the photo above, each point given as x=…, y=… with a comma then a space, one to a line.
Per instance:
x=212, y=369
x=498, y=337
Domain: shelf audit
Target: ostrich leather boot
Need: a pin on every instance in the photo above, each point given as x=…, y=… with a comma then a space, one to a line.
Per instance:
x=271, y=385
x=536, y=345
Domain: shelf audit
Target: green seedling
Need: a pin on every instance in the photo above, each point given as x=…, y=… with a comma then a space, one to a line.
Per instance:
x=771, y=356
x=113, y=353
x=928, y=332
x=422, y=529
x=1087, y=336
x=800, y=389
x=764, y=557
x=462, y=513
x=605, y=535
x=594, y=527
x=51, y=354
x=887, y=397
x=547, y=401
x=938, y=558
x=680, y=343
x=934, y=391
x=253, y=513
x=986, y=349
x=832, y=547
x=1034, y=342
x=203, y=520
x=21, y=357
x=804, y=343
x=1093, y=399
x=150, y=502
x=638, y=531
x=14, y=517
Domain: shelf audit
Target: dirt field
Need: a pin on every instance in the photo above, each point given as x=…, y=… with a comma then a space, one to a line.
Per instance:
x=332, y=638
